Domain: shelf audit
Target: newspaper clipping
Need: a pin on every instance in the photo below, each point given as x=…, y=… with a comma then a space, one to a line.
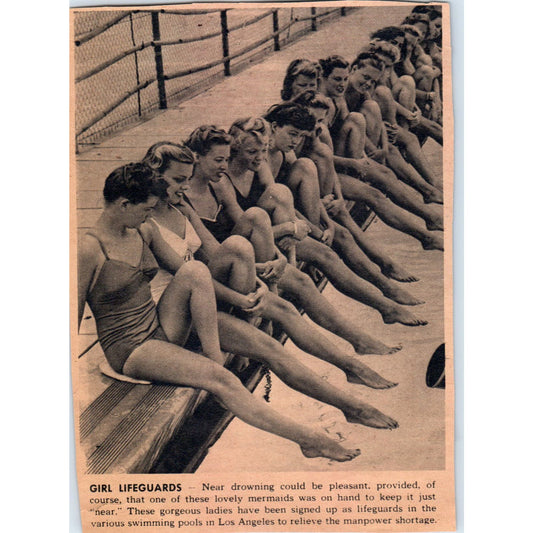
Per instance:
x=261, y=246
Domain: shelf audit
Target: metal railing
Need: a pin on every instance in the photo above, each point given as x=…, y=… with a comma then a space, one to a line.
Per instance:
x=145, y=63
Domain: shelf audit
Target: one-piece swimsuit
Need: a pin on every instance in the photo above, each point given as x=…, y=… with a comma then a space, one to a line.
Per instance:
x=221, y=225
x=122, y=305
x=256, y=190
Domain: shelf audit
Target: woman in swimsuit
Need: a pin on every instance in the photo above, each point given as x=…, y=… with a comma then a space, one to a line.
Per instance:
x=144, y=341
x=232, y=265
x=292, y=280
x=377, y=175
x=335, y=74
x=386, y=44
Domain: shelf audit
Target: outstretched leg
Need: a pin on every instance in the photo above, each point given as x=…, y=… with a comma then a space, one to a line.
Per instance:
x=168, y=363
x=302, y=289
x=241, y=338
x=388, y=212
x=328, y=262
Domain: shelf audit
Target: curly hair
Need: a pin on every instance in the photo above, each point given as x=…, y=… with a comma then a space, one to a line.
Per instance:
x=135, y=182
x=242, y=128
x=202, y=139
x=387, y=34
x=312, y=99
x=161, y=154
x=366, y=59
x=291, y=114
x=383, y=48
x=330, y=63
x=298, y=67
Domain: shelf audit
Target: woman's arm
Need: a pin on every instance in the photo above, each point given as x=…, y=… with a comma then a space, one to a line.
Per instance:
x=226, y=194
x=166, y=257
x=87, y=265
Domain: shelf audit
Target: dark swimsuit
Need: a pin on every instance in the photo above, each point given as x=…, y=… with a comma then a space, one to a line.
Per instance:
x=284, y=171
x=122, y=305
x=337, y=122
x=256, y=190
x=222, y=225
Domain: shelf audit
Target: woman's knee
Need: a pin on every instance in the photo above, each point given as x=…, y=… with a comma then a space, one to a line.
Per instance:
x=238, y=247
x=257, y=217
x=406, y=82
x=193, y=272
x=219, y=380
x=280, y=194
x=304, y=167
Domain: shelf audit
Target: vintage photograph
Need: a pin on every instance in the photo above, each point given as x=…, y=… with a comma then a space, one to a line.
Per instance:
x=262, y=221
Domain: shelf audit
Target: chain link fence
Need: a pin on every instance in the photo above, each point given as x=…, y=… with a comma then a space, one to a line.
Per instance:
x=130, y=63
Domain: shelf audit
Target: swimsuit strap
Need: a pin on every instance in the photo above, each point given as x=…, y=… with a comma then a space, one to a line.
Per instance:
x=102, y=247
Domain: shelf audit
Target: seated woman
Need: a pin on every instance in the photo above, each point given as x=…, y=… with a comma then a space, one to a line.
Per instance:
x=377, y=175
x=251, y=137
x=313, y=252
x=334, y=79
x=116, y=262
x=232, y=265
x=386, y=44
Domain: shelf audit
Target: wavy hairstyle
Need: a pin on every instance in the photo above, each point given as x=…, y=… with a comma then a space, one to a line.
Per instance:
x=366, y=59
x=202, y=139
x=135, y=182
x=312, y=99
x=330, y=63
x=161, y=154
x=291, y=114
x=242, y=128
x=295, y=68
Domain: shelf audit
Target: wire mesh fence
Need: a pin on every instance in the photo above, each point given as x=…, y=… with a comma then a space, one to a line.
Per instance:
x=130, y=63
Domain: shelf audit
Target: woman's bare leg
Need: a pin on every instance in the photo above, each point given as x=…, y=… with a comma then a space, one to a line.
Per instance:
x=372, y=249
x=255, y=226
x=349, y=251
x=303, y=182
x=388, y=212
x=409, y=175
x=328, y=262
x=382, y=178
x=189, y=301
x=241, y=338
x=302, y=289
x=168, y=363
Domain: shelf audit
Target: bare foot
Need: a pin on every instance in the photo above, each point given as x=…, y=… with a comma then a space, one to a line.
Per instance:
x=435, y=197
x=436, y=224
x=368, y=346
x=323, y=446
x=364, y=375
x=398, y=273
x=401, y=296
x=369, y=416
x=402, y=316
x=433, y=243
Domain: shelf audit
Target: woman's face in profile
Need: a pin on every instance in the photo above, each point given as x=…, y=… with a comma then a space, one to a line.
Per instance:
x=177, y=176
x=435, y=28
x=286, y=137
x=303, y=83
x=136, y=214
x=215, y=163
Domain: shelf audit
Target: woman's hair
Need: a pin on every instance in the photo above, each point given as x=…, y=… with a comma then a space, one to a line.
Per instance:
x=367, y=59
x=242, y=128
x=387, y=34
x=313, y=99
x=161, y=154
x=433, y=12
x=291, y=114
x=202, y=139
x=330, y=63
x=416, y=18
x=295, y=68
x=383, y=48
x=135, y=182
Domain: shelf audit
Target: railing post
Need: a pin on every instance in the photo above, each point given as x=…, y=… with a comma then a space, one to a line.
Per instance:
x=225, y=40
x=159, y=62
x=343, y=11
x=313, y=20
x=275, y=27
x=139, y=109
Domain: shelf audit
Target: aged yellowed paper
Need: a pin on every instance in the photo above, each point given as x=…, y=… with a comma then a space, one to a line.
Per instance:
x=289, y=169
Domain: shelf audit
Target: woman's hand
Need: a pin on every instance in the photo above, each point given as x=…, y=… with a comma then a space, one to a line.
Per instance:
x=328, y=236
x=272, y=270
x=334, y=207
x=301, y=229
